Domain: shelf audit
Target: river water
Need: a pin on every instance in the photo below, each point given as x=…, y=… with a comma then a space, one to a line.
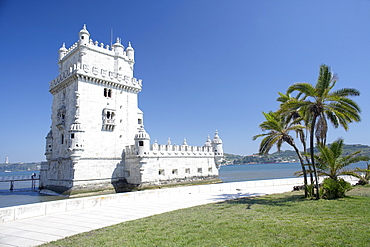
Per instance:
x=22, y=193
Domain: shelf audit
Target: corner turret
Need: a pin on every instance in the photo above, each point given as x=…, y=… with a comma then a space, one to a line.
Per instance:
x=84, y=36
x=76, y=140
x=62, y=51
x=217, y=149
x=142, y=142
x=208, y=142
x=118, y=48
x=49, y=145
x=130, y=52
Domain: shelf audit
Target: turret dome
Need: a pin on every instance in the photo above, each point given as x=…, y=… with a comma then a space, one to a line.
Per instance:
x=63, y=48
x=208, y=142
x=142, y=135
x=118, y=43
x=216, y=139
x=84, y=31
x=129, y=47
x=75, y=127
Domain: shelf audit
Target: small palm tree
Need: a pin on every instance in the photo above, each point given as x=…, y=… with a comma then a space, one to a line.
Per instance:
x=278, y=133
x=331, y=162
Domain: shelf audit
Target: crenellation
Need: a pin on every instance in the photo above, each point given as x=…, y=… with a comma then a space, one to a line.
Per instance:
x=69, y=51
x=98, y=76
x=173, y=150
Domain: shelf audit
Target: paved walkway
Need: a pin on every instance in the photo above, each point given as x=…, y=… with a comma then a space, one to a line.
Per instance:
x=42, y=229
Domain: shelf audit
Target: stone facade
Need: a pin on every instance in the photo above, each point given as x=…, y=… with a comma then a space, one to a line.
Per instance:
x=97, y=139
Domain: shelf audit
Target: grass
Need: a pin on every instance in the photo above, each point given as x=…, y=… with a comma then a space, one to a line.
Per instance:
x=275, y=220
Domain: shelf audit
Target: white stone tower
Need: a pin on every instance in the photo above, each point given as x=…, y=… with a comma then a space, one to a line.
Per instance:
x=95, y=115
x=97, y=139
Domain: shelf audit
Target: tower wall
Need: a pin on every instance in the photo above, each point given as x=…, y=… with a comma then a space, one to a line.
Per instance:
x=168, y=164
x=160, y=170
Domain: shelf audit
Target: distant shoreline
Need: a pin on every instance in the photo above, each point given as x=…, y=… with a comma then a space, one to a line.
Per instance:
x=255, y=163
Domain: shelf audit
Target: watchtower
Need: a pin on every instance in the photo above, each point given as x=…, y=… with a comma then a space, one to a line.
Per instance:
x=95, y=115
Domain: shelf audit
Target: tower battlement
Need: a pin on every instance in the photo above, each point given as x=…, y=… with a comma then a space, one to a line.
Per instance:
x=172, y=150
x=97, y=75
x=98, y=47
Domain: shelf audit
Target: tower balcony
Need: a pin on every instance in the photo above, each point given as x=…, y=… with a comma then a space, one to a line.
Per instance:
x=109, y=124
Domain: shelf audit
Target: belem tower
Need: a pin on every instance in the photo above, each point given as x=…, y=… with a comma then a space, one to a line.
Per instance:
x=97, y=139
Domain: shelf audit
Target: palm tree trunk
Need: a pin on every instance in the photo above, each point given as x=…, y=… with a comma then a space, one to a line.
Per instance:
x=303, y=170
x=313, y=155
x=303, y=140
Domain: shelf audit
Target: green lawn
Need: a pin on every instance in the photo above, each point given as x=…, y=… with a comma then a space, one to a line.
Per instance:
x=275, y=220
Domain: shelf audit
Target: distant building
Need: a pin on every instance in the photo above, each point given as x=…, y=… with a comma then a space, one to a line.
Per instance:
x=6, y=160
x=97, y=139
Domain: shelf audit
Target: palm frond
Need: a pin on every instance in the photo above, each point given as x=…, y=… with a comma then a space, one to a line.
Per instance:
x=302, y=87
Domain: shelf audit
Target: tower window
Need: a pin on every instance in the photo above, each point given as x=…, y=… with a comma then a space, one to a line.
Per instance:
x=82, y=37
x=141, y=143
x=72, y=135
x=107, y=93
x=108, y=119
x=109, y=115
x=139, y=121
x=62, y=137
x=61, y=114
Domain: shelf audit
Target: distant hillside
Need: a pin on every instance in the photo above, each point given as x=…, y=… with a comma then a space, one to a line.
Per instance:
x=19, y=167
x=287, y=155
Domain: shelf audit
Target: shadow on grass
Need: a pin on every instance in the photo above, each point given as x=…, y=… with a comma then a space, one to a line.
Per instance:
x=250, y=199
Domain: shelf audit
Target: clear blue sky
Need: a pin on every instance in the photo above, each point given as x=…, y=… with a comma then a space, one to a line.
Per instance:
x=205, y=64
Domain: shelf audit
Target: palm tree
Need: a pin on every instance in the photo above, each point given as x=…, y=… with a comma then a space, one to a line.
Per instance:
x=278, y=134
x=331, y=162
x=294, y=115
x=319, y=104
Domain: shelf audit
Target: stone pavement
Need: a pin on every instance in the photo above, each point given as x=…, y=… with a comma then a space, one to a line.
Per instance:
x=34, y=231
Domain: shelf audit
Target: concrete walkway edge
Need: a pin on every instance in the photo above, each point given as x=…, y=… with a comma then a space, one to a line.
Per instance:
x=35, y=224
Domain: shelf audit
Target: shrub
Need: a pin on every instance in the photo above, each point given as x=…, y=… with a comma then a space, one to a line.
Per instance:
x=332, y=189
